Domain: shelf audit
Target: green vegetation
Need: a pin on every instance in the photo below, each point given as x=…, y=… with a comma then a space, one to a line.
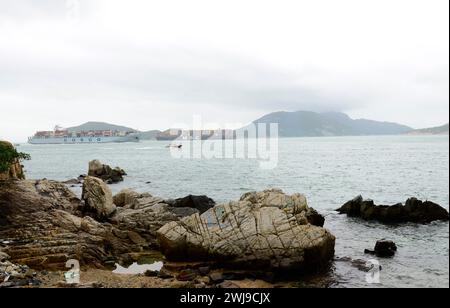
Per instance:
x=8, y=154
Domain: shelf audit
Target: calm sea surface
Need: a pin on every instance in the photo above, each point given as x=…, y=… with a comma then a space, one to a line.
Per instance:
x=329, y=171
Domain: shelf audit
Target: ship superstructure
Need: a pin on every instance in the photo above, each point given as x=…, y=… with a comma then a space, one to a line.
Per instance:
x=63, y=136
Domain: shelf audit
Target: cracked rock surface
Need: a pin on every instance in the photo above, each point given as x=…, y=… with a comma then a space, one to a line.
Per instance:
x=266, y=229
x=40, y=227
x=145, y=214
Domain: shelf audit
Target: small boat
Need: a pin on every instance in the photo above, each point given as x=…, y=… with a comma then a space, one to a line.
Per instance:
x=180, y=146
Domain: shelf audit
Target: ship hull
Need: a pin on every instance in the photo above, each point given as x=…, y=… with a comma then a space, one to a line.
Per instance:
x=84, y=140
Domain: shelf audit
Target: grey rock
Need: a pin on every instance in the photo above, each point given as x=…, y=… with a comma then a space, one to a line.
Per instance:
x=125, y=197
x=41, y=221
x=383, y=249
x=72, y=182
x=265, y=230
x=98, y=198
x=414, y=210
x=105, y=172
x=200, y=203
x=145, y=215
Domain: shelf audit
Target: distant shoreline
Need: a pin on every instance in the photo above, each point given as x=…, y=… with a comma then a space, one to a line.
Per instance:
x=411, y=134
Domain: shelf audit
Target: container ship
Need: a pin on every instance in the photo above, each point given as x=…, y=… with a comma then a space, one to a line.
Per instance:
x=174, y=134
x=63, y=136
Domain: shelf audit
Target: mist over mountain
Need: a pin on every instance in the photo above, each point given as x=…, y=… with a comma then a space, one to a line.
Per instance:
x=439, y=130
x=312, y=124
x=100, y=126
x=302, y=124
x=149, y=135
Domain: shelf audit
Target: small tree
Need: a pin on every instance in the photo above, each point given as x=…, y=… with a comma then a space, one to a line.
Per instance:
x=9, y=155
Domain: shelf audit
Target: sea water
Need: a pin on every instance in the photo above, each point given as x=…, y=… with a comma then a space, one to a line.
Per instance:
x=329, y=171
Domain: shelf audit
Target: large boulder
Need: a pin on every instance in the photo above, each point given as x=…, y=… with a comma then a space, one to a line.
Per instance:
x=201, y=203
x=125, y=197
x=414, y=210
x=267, y=230
x=145, y=214
x=105, y=172
x=383, y=249
x=98, y=199
x=277, y=198
x=40, y=227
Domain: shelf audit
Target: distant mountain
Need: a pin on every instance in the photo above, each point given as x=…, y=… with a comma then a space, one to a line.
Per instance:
x=150, y=135
x=440, y=130
x=100, y=126
x=312, y=124
x=298, y=124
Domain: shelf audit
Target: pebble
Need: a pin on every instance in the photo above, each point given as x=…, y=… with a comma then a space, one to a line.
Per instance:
x=12, y=275
x=150, y=273
x=164, y=274
x=187, y=275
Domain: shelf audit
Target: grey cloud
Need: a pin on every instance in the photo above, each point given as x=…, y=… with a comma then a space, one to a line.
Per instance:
x=22, y=9
x=26, y=10
x=175, y=75
x=50, y=65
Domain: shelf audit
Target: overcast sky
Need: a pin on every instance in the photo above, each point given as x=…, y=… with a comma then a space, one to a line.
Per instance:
x=149, y=64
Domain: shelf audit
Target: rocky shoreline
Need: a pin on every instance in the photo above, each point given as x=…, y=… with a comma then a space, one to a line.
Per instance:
x=414, y=210
x=264, y=239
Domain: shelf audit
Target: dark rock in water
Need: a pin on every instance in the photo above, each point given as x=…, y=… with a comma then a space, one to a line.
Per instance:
x=73, y=182
x=414, y=210
x=315, y=218
x=263, y=231
x=361, y=265
x=201, y=203
x=105, y=172
x=383, y=249
x=79, y=180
